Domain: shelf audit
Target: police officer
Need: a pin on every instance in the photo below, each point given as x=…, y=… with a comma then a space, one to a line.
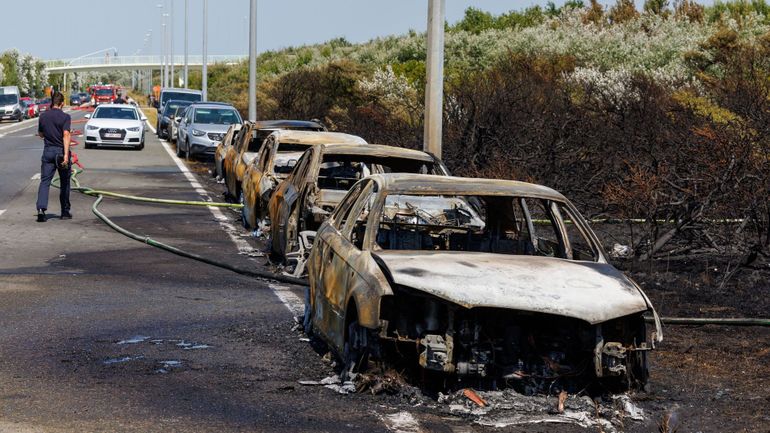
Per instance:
x=54, y=128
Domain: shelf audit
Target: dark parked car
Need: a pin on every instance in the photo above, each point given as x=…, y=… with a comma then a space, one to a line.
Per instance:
x=75, y=99
x=167, y=117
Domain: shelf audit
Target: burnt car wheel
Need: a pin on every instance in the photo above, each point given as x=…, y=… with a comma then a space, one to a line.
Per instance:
x=355, y=354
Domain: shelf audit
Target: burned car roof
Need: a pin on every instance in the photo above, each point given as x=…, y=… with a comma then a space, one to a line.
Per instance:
x=316, y=137
x=376, y=150
x=431, y=184
x=278, y=124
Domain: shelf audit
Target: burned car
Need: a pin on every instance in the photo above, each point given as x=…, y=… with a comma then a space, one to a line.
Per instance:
x=322, y=177
x=246, y=147
x=277, y=157
x=482, y=279
x=219, y=155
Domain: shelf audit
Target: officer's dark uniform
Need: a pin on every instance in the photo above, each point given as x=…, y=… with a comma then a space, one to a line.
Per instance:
x=52, y=125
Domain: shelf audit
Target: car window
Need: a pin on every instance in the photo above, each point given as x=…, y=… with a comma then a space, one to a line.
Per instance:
x=115, y=113
x=216, y=116
x=579, y=246
x=354, y=227
x=546, y=235
x=265, y=155
x=256, y=140
x=491, y=224
x=299, y=174
x=343, y=210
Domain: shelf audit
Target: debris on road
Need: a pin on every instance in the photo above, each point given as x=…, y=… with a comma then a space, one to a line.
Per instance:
x=334, y=383
x=508, y=407
x=472, y=396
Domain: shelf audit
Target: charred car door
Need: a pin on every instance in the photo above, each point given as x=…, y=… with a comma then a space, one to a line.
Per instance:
x=335, y=253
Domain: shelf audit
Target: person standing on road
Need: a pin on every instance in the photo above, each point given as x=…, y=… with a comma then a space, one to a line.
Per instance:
x=54, y=128
x=120, y=99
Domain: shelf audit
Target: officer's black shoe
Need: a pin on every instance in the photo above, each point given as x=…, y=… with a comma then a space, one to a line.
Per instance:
x=41, y=218
x=66, y=215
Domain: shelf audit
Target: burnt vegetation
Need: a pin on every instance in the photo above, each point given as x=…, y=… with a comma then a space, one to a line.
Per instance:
x=672, y=174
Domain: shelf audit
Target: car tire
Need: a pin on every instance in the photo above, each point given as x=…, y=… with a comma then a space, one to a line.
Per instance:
x=188, y=154
x=355, y=353
x=244, y=211
x=179, y=151
x=89, y=145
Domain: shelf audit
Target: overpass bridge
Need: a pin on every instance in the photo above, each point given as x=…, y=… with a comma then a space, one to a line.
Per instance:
x=133, y=63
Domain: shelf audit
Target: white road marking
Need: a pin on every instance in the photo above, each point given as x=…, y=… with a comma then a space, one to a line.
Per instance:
x=35, y=177
x=292, y=302
x=2, y=211
x=401, y=422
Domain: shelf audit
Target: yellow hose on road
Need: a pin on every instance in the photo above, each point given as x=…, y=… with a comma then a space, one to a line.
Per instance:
x=257, y=273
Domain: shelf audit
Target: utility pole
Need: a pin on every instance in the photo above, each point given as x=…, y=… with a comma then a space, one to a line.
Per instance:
x=162, y=44
x=186, y=4
x=171, y=44
x=434, y=83
x=253, y=61
x=205, y=73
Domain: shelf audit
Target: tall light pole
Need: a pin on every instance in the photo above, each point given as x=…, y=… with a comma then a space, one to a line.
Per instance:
x=167, y=61
x=161, y=39
x=205, y=73
x=253, y=61
x=434, y=83
x=171, y=44
x=186, y=4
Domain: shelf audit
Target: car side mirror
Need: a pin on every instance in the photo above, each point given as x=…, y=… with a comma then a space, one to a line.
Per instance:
x=178, y=119
x=144, y=118
x=87, y=116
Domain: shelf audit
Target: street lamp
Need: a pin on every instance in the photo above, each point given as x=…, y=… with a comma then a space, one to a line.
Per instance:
x=205, y=72
x=171, y=44
x=166, y=49
x=253, y=61
x=186, y=76
x=162, y=44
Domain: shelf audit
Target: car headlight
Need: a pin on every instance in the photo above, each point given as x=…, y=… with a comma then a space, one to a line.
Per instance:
x=134, y=129
x=198, y=132
x=91, y=127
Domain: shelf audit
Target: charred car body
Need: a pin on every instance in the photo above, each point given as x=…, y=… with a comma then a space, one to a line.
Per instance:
x=483, y=279
x=320, y=179
x=227, y=142
x=246, y=148
x=279, y=153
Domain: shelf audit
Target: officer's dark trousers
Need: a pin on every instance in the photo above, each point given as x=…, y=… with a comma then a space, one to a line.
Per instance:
x=47, y=169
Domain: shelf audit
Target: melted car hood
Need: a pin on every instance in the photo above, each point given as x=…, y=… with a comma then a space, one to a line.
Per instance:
x=594, y=292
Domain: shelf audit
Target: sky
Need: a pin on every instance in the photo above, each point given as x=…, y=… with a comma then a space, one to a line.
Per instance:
x=58, y=29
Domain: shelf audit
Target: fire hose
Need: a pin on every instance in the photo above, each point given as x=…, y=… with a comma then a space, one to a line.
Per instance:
x=100, y=195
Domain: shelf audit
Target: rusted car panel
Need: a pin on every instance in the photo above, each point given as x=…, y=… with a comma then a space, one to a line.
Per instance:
x=487, y=278
x=319, y=180
x=280, y=152
x=247, y=145
x=222, y=148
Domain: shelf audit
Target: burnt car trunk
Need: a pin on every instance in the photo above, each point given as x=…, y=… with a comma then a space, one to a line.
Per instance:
x=532, y=352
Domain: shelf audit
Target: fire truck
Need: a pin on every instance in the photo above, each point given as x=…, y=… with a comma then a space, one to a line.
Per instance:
x=103, y=94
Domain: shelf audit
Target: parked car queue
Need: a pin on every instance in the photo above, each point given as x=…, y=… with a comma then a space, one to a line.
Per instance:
x=487, y=279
